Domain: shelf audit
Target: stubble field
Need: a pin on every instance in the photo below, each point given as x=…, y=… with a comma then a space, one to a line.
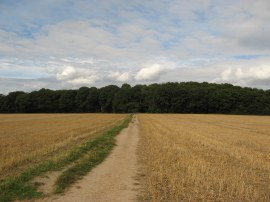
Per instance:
x=205, y=157
x=183, y=157
x=26, y=139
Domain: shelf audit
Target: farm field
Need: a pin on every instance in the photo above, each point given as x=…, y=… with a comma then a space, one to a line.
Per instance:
x=205, y=157
x=29, y=138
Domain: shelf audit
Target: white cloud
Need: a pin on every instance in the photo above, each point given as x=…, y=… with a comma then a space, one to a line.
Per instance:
x=121, y=77
x=260, y=73
x=253, y=73
x=11, y=84
x=84, y=81
x=67, y=73
x=77, y=76
x=150, y=73
x=81, y=46
x=78, y=60
x=226, y=74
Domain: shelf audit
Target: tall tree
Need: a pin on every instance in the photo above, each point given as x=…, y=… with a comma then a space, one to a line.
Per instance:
x=44, y=101
x=67, y=101
x=2, y=100
x=81, y=102
x=106, y=96
x=9, y=104
x=92, y=102
x=121, y=99
x=23, y=103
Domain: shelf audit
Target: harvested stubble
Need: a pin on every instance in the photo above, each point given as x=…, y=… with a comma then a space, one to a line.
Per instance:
x=27, y=138
x=206, y=157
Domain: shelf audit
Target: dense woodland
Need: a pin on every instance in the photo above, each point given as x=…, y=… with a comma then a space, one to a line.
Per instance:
x=185, y=97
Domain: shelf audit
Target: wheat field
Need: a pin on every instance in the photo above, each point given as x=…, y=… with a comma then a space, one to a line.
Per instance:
x=205, y=157
x=27, y=138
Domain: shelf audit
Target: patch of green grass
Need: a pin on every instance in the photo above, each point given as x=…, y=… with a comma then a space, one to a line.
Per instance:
x=93, y=151
x=101, y=147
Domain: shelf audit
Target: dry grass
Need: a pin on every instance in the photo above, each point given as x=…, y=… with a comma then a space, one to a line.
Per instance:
x=206, y=157
x=26, y=139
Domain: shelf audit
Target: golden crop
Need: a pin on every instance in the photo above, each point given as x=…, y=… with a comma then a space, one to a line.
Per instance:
x=206, y=157
x=26, y=139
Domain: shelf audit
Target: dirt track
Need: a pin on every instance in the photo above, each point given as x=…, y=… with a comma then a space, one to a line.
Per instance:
x=112, y=180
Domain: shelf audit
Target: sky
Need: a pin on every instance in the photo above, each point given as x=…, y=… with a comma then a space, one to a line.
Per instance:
x=66, y=44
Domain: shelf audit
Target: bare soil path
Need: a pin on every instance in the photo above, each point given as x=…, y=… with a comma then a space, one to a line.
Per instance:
x=112, y=180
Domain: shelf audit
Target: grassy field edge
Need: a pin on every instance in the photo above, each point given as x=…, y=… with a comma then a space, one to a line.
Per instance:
x=100, y=149
x=13, y=188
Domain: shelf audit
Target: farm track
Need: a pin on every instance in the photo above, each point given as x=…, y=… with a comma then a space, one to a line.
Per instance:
x=112, y=180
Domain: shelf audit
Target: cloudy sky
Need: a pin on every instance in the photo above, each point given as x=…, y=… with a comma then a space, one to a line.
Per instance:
x=64, y=44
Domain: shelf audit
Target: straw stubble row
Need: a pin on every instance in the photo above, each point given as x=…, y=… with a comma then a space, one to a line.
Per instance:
x=25, y=138
x=206, y=157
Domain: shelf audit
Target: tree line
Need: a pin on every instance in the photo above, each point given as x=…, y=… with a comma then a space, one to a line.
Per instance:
x=171, y=97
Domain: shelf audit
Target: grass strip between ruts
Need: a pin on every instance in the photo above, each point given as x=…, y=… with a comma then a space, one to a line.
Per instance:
x=86, y=156
x=100, y=149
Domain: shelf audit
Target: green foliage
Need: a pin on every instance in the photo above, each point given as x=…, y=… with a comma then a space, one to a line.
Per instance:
x=9, y=102
x=67, y=101
x=80, y=99
x=23, y=103
x=106, y=96
x=92, y=102
x=185, y=97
